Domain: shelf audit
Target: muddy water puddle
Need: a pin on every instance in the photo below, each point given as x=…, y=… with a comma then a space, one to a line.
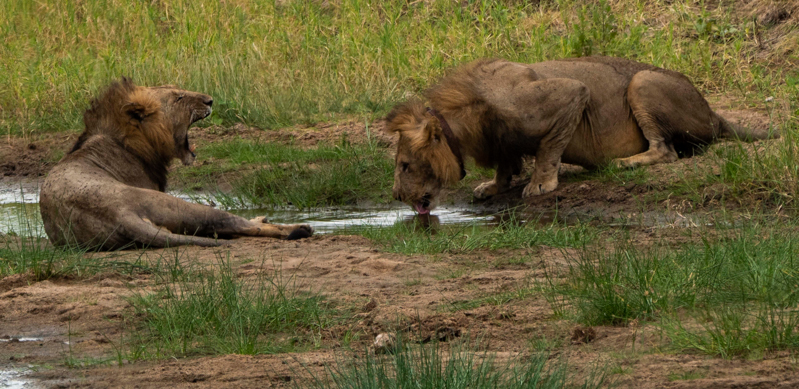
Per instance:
x=15, y=379
x=19, y=214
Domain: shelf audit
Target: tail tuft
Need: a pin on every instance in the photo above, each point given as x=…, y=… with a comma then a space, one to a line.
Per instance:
x=732, y=131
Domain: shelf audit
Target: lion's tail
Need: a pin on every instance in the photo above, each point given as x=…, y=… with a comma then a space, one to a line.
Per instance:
x=732, y=131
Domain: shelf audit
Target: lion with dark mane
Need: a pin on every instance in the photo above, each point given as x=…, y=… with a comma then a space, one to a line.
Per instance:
x=584, y=111
x=108, y=191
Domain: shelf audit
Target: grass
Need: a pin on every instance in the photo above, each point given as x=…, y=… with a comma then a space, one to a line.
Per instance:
x=512, y=232
x=36, y=256
x=212, y=311
x=729, y=296
x=275, y=63
x=325, y=175
x=430, y=366
x=354, y=173
x=23, y=250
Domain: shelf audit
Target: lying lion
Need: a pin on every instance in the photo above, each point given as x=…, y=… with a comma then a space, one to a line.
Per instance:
x=107, y=192
x=584, y=111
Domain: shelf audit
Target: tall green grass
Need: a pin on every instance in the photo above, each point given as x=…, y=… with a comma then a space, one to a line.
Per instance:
x=36, y=256
x=212, y=311
x=325, y=175
x=25, y=250
x=511, y=233
x=430, y=366
x=273, y=63
x=734, y=295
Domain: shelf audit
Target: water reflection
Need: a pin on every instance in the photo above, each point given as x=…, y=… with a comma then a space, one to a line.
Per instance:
x=19, y=214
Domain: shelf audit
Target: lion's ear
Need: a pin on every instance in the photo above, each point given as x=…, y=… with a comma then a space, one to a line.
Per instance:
x=140, y=105
x=405, y=117
x=433, y=131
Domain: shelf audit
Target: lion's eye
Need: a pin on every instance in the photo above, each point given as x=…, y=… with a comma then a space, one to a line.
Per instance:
x=179, y=98
x=405, y=167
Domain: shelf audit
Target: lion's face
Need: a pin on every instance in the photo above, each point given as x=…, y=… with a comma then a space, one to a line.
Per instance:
x=424, y=162
x=182, y=108
x=415, y=182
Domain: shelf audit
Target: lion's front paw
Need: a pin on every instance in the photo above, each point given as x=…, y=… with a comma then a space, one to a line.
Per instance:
x=300, y=231
x=622, y=163
x=535, y=188
x=259, y=219
x=486, y=190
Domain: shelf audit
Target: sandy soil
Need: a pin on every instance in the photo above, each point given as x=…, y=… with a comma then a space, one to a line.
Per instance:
x=88, y=314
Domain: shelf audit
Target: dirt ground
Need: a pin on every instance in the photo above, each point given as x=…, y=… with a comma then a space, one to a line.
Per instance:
x=82, y=319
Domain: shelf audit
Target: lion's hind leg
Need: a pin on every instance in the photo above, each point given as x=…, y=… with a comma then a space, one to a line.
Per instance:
x=182, y=217
x=667, y=106
x=144, y=232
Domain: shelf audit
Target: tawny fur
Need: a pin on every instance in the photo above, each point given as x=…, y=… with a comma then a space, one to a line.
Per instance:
x=107, y=192
x=585, y=111
x=429, y=144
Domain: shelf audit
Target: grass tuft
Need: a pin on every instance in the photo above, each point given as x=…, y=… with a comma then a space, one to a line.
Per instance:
x=731, y=296
x=510, y=233
x=212, y=311
x=288, y=175
x=429, y=366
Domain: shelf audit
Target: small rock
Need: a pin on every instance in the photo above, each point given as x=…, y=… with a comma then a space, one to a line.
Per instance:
x=582, y=335
x=371, y=305
x=774, y=16
x=447, y=333
x=385, y=343
x=506, y=316
x=110, y=283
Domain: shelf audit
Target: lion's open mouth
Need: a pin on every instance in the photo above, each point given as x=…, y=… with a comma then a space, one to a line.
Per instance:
x=197, y=115
x=423, y=207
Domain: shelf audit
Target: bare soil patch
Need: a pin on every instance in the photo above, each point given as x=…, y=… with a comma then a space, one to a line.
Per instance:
x=83, y=320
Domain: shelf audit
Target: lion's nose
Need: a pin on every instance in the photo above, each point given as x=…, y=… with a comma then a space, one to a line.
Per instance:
x=209, y=101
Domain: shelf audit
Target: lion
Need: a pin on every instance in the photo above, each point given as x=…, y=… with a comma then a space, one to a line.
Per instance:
x=108, y=191
x=585, y=111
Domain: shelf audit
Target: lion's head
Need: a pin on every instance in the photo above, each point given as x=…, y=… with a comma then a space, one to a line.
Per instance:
x=424, y=161
x=151, y=122
x=182, y=108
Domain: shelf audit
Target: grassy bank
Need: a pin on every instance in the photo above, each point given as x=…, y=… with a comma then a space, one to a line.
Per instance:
x=278, y=175
x=512, y=234
x=213, y=311
x=429, y=366
x=732, y=294
x=274, y=63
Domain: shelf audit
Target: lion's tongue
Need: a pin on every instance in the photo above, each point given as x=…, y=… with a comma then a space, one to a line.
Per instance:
x=421, y=209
